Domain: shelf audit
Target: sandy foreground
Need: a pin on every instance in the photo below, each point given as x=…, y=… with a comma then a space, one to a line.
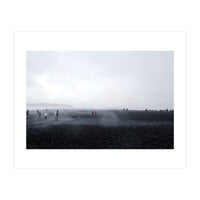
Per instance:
x=77, y=129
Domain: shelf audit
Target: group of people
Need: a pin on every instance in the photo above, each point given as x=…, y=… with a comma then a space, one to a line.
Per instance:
x=94, y=113
x=39, y=115
x=56, y=114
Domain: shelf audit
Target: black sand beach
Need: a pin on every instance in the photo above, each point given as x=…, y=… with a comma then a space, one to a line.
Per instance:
x=77, y=129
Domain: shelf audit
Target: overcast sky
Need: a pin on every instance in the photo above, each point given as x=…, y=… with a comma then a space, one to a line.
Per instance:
x=133, y=79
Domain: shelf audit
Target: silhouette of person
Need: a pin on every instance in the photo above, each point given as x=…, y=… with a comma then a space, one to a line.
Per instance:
x=45, y=115
x=56, y=115
x=39, y=115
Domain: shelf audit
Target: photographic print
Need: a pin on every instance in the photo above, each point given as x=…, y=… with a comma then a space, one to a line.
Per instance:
x=100, y=100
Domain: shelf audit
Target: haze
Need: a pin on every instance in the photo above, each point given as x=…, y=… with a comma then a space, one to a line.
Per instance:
x=95, y=79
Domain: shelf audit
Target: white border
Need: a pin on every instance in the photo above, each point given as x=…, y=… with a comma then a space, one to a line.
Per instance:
x=100, y=41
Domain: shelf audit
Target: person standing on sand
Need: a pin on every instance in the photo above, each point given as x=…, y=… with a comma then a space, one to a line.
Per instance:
x=45, y=115
x=39, y=115
x=56, y=115
x=95, y=113
x=92, y=113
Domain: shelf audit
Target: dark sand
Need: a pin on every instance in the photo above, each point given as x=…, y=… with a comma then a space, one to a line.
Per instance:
x=77, y=129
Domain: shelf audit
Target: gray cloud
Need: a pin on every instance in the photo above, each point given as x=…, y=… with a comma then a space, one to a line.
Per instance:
x=101, y=79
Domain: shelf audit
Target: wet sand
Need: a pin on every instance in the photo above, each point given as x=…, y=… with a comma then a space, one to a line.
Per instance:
x=77, y=129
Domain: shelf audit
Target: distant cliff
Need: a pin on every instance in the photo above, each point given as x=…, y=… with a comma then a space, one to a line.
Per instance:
x=41, y=106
